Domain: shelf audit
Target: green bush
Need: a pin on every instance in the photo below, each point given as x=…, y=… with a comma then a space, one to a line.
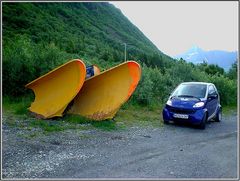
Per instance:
x=18, y=65
x=144, y=92
x=155, y=87
x=227, y=89
x=24, y=61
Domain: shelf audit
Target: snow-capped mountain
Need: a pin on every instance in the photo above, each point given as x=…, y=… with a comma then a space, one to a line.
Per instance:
x=222, y=58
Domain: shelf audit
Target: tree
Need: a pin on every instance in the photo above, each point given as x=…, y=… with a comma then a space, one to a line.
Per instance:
x=214, y=69
x=232, y=73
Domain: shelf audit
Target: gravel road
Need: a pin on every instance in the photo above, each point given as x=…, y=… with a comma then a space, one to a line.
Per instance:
x=172, y=151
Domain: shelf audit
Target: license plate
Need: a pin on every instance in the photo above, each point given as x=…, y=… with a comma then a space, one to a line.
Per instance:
x=181, y=116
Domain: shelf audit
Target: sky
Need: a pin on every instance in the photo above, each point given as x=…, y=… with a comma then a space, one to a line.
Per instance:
x=175, y=27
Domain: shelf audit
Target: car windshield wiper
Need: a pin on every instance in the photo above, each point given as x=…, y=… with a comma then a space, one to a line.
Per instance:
x=189, y=96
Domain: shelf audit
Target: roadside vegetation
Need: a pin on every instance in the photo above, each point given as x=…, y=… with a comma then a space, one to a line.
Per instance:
x=38, y=37
x=16, y=115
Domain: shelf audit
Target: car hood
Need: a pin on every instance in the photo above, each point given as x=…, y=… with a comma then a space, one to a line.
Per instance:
x=184, y=103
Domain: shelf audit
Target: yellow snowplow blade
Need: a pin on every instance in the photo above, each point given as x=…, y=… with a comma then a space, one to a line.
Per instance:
x=102, y=95
x=96, y=70
x=54, y=90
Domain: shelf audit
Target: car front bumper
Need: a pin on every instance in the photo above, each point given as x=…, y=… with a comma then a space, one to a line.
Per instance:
x=194, y=117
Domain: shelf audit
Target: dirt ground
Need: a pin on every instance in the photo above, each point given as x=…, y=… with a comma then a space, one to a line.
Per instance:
x=171, y=151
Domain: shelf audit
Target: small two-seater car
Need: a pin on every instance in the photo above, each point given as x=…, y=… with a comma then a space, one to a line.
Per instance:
x=193, y=102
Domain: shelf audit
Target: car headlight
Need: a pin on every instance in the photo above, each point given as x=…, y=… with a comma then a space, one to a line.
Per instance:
x=169, y=102
x=199, y=104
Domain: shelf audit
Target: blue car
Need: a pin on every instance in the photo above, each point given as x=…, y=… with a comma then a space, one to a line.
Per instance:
x=193, y=102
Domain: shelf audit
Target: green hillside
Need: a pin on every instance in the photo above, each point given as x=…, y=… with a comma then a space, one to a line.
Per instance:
x=38, y=37
x=92, y=30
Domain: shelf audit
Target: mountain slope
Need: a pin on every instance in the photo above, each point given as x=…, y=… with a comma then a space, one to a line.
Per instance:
x=196, y=55
x=38, y=37
x=91, y=29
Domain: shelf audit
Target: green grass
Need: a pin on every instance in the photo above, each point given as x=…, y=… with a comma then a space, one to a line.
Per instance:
x=75, y=119
x=129, y=115
x=229, y=109
x=47, y=125
x=141, y=116
x=17, y=105
x=106, y=125
x=16, y=115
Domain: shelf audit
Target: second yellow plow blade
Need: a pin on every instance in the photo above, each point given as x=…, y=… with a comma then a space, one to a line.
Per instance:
x=102, y=95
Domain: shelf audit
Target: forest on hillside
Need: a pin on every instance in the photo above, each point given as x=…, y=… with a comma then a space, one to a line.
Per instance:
x=38, y=37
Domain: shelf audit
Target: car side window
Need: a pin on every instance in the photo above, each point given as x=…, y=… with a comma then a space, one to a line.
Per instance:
x=215, y=90
x=211, y=90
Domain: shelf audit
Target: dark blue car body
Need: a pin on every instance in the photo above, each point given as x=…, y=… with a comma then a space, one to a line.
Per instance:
x=195, y=110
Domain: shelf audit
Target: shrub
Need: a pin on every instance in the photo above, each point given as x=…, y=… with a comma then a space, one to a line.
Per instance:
x=24, y=61
x=227, y=89
x=144, y=92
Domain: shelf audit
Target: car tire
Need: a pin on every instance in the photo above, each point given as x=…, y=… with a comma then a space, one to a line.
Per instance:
x=219, y=116
x=203, y=122
x=165, y=121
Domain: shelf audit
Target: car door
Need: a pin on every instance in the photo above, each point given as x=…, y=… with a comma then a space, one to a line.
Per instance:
x=212, y=101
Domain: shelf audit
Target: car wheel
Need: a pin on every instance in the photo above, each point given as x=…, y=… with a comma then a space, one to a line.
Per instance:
x=219, y=116
x=203, y=123
x=165, y=121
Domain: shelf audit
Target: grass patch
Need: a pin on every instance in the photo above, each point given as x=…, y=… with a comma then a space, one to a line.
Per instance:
x=17, y=105
x=76, y=119
x=229, y=109
x=16, y=114
x=74, y=122
x=47, y=126
x=30, y=136
x=141, y=116
x=11, y=122
x=107, y=125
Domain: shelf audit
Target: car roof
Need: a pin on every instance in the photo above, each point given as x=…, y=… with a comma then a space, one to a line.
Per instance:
x=204, y=83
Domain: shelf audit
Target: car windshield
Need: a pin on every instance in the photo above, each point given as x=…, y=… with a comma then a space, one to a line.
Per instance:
x=190, y=90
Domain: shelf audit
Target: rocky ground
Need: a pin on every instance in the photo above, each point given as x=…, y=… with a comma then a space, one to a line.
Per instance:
x=171, y=151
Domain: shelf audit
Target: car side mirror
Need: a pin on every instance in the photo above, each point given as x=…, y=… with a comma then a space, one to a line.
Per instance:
x=212, y=96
